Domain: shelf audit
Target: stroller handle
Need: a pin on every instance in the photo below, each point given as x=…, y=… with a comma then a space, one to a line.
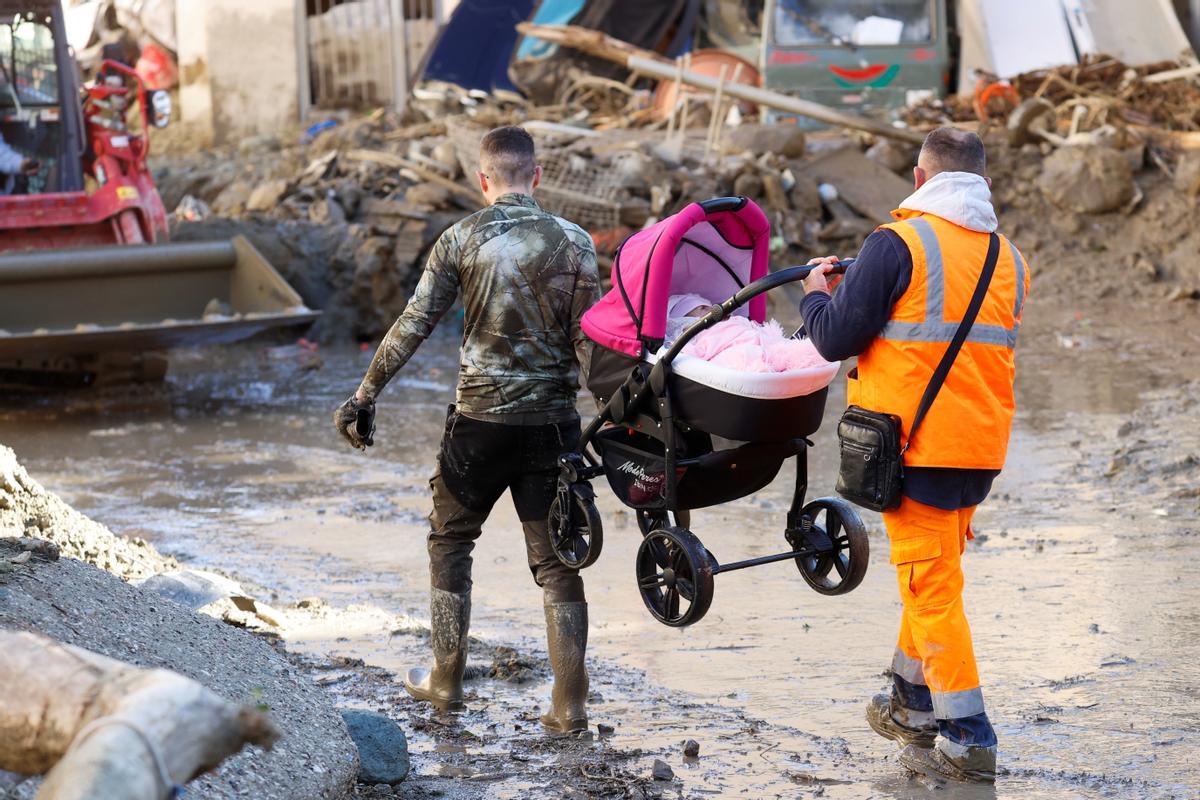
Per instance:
x=777, y=279
x=718, y=204
x=760, y=286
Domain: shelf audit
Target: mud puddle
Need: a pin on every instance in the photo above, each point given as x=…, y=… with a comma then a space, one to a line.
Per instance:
x=1081, y=595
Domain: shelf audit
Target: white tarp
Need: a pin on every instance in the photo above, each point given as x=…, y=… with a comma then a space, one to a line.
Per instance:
x=1008, y=37
x=1144, y=32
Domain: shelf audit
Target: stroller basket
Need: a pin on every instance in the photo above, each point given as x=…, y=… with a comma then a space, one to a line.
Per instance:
x=635, y=465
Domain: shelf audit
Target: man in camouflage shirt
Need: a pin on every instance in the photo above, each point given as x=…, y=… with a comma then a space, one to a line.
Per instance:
x=526, y=277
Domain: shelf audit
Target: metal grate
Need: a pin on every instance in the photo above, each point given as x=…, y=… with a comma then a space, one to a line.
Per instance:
x=573, y=186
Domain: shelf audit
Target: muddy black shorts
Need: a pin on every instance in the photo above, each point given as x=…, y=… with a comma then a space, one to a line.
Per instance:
x=479, y=460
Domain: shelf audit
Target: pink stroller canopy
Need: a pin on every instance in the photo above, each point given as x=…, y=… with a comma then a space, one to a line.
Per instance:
x=693, y=252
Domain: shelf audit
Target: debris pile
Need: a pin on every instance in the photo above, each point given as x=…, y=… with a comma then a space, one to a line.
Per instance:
x=1164, y=95
x=349, y=208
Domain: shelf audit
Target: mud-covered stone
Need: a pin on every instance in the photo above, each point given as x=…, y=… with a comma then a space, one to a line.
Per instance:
x=382, y=746
x=662, y=771
x=1087, y=180
x=785, y=140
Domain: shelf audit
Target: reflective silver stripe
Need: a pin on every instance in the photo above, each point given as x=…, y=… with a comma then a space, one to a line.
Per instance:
x=908, y=668
x=935, y=273
x=956, y=705
x=935, y=328
x=944, y=331
x=1020, y=265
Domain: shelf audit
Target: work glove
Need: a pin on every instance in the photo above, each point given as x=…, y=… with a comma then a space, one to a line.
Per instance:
x=355, y=421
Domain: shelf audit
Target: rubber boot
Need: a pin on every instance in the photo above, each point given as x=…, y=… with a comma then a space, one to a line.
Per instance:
x=948, y=760
x=566, y=637
x=449, y=619
x=893, y=721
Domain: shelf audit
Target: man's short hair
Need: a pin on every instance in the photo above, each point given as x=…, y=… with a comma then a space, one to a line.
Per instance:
x=953, y=150
x=506, y=156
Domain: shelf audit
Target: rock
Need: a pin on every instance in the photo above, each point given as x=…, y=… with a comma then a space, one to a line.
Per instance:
x=1187, y=174
x=428, y=196
x=785, y=140
x=603, y=729
x=192, y=589
x=691, y=748
x=899, y=158
x=258, y=143
x=267, y=195
x=232, y=199
x=445, y=154
x=382, y=746
x=748, y=184
x=326, y=211
x=1087, y=180
x=662, y=771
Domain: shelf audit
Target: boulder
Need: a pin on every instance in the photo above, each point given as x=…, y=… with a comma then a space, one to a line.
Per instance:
x=267, y=195
x=785, y=140
x=192, y=589
x=1087, y=180
x=382, y=746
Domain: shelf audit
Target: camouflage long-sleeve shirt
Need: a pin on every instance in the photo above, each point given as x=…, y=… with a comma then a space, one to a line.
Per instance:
x=526, y=278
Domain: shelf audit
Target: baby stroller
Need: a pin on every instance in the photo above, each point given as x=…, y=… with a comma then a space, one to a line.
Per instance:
x=672, y=435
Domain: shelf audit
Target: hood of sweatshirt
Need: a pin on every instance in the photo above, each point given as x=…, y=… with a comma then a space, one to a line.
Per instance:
x=963, y=198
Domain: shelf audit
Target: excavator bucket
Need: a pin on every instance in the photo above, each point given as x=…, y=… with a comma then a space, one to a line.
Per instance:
x=60, y=308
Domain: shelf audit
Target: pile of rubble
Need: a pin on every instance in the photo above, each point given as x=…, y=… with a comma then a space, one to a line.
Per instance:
x=349, y=216
x=349, y=208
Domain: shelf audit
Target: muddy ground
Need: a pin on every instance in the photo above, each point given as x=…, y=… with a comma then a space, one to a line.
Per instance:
x=1082, y=585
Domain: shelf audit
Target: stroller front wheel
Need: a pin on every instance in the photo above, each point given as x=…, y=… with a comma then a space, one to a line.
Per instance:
x=842, y=548
x=675, y=578
x=576, y=533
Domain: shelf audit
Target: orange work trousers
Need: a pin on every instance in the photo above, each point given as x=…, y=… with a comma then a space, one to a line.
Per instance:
x=934, y=648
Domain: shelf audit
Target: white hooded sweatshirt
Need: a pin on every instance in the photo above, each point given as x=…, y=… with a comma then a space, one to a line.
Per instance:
x=963, y=198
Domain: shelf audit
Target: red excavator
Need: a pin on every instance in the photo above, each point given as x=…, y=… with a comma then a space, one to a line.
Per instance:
x=87, y=280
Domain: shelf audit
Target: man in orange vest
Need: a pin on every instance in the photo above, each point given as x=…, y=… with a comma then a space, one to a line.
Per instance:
x=897, y=310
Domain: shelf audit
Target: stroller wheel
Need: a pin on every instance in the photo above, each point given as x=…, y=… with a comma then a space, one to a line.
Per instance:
x=839, y=569
x=576, y=533
x=674, y=574
x=653, y=520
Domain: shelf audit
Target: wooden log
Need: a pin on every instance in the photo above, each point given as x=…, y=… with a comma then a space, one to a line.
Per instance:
x=399, y=162
x=655, y=66
x=781, y=102
x=592, y=42
x=107, y=729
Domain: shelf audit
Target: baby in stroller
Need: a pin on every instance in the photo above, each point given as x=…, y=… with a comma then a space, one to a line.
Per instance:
x=661, y=407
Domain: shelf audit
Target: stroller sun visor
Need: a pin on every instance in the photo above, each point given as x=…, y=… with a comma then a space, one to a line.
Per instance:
x=692, y=252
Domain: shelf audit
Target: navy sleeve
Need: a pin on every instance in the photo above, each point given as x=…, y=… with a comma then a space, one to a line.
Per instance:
x=843, y=325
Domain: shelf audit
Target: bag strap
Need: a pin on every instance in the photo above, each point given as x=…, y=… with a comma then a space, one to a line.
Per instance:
x=960, y=336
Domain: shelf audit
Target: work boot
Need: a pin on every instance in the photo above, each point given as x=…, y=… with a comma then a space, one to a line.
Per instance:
x=948, y=760
x=449, y=619
x=893, y=721
x=566, y=637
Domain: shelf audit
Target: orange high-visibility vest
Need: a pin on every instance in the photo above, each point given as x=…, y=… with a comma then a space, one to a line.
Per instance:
x=969, y=423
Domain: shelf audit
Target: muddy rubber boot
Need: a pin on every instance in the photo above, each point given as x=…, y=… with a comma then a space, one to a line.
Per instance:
x=566, y=637
x=893, y=721
x=947, y=760
x=449, y=619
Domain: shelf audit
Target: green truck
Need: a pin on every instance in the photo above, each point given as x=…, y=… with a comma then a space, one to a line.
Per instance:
x=866, y=56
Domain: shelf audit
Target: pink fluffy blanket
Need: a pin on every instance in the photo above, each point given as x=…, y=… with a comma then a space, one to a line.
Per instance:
x=745, y=346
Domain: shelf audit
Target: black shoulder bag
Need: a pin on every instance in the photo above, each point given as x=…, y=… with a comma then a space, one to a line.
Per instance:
x=872, y=469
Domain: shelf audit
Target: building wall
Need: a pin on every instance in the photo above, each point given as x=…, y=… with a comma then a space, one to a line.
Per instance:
x=239, y=69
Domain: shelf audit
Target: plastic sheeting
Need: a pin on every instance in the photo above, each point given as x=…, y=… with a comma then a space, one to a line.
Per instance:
x=477, y=43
